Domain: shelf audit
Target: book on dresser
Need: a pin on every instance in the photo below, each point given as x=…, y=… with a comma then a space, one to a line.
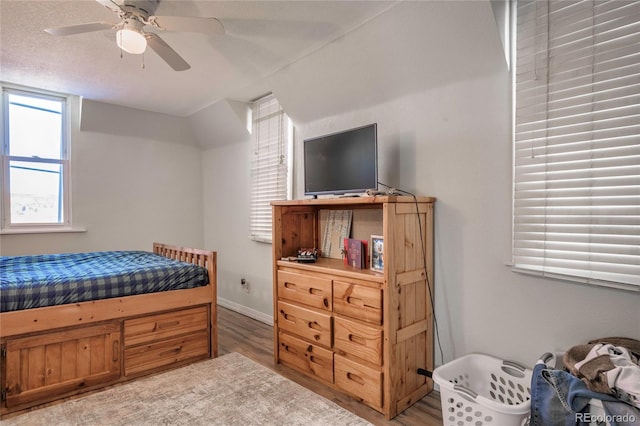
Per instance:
x=362, y=332
x=355, y=253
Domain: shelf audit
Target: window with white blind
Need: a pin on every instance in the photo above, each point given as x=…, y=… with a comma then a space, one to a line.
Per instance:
x=272, y=134
x=576, y=200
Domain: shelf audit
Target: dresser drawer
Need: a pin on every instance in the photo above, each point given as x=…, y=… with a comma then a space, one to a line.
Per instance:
x=304, y=356
x=357, y=339
x=358, y=380
x=163, y=326
x=166, y=352
x=305, y=289
x=312, y=325
x=357, y=301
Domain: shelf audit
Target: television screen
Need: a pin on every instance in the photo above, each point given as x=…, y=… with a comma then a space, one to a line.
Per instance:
x=342, y=162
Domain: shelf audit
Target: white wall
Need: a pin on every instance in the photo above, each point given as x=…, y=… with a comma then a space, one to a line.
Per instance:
x=226, y=229
x=222, y=130
x=136, y=179
x=448, y=137
x=453, y=143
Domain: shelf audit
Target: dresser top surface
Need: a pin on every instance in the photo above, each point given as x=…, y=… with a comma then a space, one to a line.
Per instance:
x=378, y=199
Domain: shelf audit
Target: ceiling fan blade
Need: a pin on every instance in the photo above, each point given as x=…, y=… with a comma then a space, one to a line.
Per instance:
x=81, y=28
x=210, y=26
x=111, y=5
x=169, y=55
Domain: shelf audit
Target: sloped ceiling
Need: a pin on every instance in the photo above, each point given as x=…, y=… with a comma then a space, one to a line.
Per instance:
x=412, y=47
x=261, y=37
x=223, y=123
x=320, y=58
x=409, y=48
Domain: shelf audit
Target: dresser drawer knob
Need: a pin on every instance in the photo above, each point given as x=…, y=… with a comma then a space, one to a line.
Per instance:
x=315, y=326
x=290, y=349
x=160, y=326
x=356, y=339
x=288, y=317
x=315, y=360
x=355, y=301
x=355, y=378
x=116, y=351
x=171, y=351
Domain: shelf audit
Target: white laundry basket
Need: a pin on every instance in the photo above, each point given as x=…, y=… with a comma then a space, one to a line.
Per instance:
x=481, y=390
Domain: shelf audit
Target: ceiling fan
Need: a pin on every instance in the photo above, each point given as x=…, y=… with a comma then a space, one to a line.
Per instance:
x=131, y=36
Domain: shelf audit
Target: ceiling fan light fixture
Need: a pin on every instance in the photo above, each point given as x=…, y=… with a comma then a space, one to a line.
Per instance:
x=130, y=38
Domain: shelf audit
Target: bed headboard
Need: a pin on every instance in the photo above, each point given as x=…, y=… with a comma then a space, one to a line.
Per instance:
x=204, y=258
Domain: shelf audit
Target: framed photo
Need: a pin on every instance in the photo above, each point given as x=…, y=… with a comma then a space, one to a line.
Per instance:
x=376, y=253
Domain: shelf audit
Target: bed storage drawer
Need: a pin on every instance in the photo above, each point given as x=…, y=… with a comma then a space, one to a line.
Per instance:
x=163, y=326
x=358, y=380
x=306, y=289
x=306, y=357
x=49, y=366
x=147, y=357
x=311, y=325
x=160, y=340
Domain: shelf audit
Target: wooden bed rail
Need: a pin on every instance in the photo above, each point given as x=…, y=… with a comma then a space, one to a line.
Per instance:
x=184, y=254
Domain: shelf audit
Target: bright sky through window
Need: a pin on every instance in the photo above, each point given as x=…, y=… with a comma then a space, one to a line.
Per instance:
x=35, y=153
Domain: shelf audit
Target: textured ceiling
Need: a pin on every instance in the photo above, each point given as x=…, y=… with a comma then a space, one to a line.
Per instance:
x=261, y=38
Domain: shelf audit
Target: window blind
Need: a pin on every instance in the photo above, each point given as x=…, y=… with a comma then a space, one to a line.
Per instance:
x=576, y=200
x=270, y=170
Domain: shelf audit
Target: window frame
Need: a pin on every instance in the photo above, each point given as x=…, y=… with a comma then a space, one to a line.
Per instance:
x=7, y=226
x=260, y=208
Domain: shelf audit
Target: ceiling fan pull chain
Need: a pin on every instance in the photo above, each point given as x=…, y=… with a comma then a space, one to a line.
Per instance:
x=120, y=36
x=143, y=60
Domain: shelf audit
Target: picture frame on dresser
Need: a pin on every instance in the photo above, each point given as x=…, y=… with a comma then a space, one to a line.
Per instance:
x=377, y=253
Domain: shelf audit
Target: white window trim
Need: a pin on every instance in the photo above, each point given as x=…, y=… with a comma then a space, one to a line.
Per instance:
x=6, y=227
x=613, y=261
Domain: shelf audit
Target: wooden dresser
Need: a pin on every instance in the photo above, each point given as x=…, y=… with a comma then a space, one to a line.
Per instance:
x=360, y=331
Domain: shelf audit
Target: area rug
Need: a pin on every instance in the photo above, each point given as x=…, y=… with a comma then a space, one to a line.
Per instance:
x=228, y=390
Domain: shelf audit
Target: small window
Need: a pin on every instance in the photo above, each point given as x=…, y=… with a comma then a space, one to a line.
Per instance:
x=35, y=160
x=272, y=134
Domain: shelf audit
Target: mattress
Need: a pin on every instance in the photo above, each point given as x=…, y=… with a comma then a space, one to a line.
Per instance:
x=55, y=279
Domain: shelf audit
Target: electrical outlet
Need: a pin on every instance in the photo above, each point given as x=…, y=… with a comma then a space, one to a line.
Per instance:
x=244, y=284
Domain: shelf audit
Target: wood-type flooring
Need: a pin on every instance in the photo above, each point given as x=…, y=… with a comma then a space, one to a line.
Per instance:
x=254, y=339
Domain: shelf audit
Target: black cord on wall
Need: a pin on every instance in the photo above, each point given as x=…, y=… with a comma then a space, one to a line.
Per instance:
x=394, y=191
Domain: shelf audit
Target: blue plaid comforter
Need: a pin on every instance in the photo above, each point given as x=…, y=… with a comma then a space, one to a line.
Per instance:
x=55, y=279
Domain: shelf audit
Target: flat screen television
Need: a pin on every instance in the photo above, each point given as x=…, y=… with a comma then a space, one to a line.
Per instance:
x=342, y=162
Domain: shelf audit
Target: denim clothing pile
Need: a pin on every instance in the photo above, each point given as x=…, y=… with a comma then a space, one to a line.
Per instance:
x=602, y=371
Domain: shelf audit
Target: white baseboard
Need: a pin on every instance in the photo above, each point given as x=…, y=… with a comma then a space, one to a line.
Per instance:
x=241, y=309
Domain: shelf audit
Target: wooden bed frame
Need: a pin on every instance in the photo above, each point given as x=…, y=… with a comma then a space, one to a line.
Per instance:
x=55, y=352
